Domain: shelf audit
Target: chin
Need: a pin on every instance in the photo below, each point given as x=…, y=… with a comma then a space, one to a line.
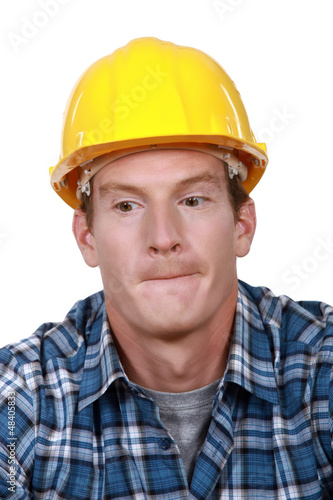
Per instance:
x=172, y=321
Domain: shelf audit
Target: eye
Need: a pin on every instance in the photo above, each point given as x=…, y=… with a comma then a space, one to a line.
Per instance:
x=126, y=206
x=193, y=201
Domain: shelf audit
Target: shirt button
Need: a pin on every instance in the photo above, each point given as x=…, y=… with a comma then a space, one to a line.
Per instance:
x=164, y=444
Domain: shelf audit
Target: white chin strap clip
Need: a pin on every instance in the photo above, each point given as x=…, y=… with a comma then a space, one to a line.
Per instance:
x=235, y=166
x=90, y=168
x=232, y=171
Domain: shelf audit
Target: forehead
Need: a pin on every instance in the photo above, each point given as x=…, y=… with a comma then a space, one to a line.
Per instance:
x=163, y=166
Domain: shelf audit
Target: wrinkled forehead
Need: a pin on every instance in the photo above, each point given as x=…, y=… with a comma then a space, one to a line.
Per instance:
x=174, y=168
x=180, y=154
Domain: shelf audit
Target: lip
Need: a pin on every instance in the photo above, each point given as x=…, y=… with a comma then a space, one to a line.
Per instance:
x=170, y=277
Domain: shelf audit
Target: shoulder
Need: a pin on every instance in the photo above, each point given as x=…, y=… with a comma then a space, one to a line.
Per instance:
x=52, y=340
x=306, y=322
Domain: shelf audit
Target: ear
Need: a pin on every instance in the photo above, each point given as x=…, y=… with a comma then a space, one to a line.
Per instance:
x=84, y=238
x=245, y=228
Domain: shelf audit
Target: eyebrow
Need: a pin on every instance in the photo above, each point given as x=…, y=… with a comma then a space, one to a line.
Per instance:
x=205, y=178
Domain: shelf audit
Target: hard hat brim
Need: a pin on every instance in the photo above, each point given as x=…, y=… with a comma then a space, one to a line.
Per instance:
x=64, y=176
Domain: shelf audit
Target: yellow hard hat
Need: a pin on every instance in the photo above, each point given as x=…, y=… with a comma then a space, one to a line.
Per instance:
x=153, y=94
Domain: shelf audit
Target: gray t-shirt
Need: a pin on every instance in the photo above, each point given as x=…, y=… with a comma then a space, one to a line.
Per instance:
x=186, y=415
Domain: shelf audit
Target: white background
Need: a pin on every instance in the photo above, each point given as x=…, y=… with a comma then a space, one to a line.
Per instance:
x=279, y=53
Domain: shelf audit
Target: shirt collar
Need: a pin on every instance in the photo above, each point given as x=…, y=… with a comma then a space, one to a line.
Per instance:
x=250, y=362
x=102, y=365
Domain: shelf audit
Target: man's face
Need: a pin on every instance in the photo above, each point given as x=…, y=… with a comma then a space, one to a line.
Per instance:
x=165, y=240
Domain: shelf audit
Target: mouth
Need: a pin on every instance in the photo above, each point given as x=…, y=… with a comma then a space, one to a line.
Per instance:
x=169, y=277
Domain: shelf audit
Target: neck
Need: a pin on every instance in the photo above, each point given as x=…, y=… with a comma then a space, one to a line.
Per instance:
x=178, y=363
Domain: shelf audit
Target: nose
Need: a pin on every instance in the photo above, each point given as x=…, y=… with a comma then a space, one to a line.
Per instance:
x=164, y=231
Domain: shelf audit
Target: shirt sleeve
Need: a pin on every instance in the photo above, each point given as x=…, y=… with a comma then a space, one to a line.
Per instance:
x=331, y=409
x=322, y=424
x=17, y=430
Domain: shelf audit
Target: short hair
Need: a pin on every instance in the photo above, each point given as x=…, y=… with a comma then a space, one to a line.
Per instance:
x=236, y=194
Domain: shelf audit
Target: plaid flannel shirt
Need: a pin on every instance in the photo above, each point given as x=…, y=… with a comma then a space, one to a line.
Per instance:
x=83, y=431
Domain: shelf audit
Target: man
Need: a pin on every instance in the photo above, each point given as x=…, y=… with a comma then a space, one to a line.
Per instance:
x=178, y=381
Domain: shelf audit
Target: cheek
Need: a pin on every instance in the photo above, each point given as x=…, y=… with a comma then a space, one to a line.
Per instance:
x=116, y=254
x=219, y=248
x=218, y=234
x=111, y=250
x=110, y=264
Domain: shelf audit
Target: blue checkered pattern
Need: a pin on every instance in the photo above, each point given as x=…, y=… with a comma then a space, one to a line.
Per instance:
x=83, y=431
